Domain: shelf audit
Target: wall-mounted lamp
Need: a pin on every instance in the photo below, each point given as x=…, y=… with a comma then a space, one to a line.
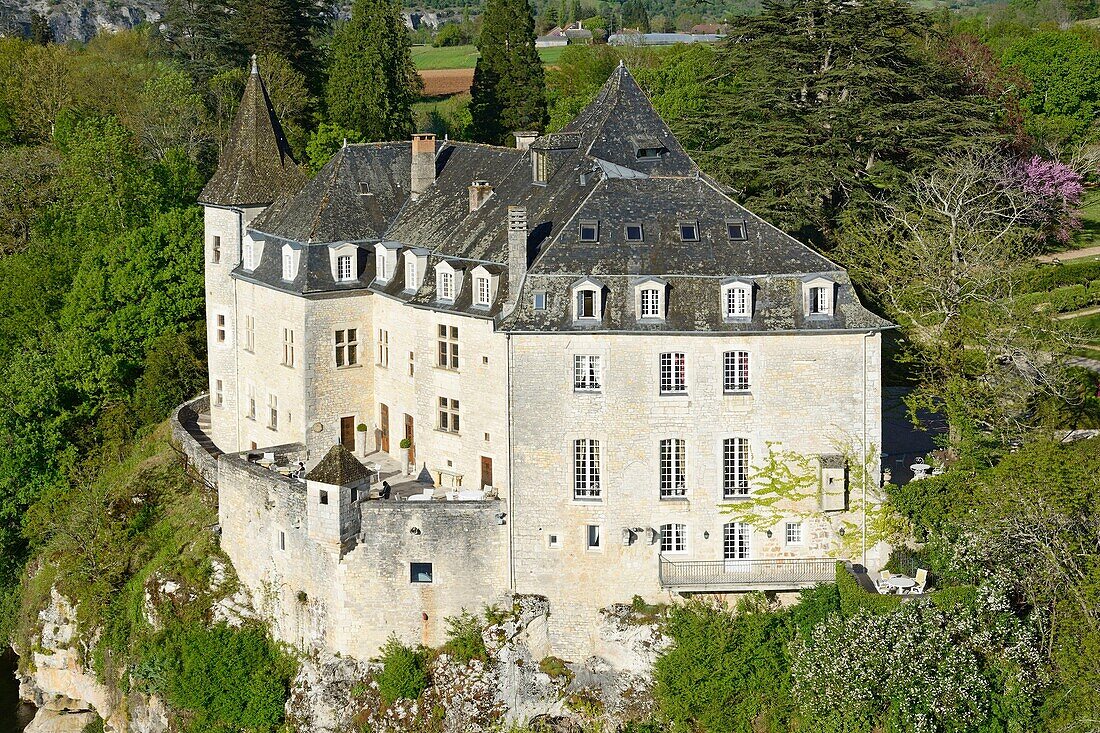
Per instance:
x=706, y=535
x=500, y=517
x=840, y=531
x=414, y=530
x=769, y=533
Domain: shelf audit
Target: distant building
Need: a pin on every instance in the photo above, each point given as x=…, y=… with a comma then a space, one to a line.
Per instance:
x=661, y=39
x=709, y=29
x=558, y=36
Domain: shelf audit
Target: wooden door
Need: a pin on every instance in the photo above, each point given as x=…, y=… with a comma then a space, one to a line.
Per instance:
x=486, y=471
x=409, y=437
x=384, y=423
x=347, y=433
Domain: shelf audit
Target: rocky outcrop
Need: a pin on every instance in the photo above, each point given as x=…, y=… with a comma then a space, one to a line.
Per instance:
x=78, y=20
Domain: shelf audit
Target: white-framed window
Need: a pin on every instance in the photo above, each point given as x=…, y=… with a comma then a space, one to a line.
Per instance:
x=445, y=285
x=250, y=394
x=412, y=363
x=410, y=273
x=345, y=268
x=383, y=347
x=219, y=393
x=586, y=373
x=364, y=188
x=381, y=271
x=592, y=537
x=674, y=537
x=689, y=231
x=650, y=303
x=539, y=170
x=482, y=291
x=736, y=541
x=589, y=230
x=219, y=328
x=735, y=371
x=247, y=251
x=448, y=415
x=347, y=347
x=586, y=469
x=586, y=304
x=673, y=459
x=288, y=347
x=673, y=373
x=738, y=302
x=288, y=264
x=792, y=532
x=273, y=411
x=634, y=232
x=249, y=333
x=735, y=467
x=820, y=302
x=735, y=230
x=539, y=300
x=216, y=250
x=448, y=347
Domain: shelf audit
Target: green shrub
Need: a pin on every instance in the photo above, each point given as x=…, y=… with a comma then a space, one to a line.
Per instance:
x=955, y=596
x=853, y=598
x=814, y=606
x=1044, y=279
x=404, y=672
x=1064, y=299
x=556, y=668
x=724, y=672
x=229, y=679
x=464, y=640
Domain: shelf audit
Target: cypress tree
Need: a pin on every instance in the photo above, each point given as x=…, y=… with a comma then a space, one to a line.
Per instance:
x=372, y=81
x=282, y=28
x=509, y=90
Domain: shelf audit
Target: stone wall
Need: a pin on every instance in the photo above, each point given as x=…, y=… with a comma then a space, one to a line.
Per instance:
x=350, y=603
x=197, y=455
x=808, y=395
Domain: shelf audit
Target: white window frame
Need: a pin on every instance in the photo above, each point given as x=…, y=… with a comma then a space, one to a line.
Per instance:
x=482, y=292
x=449, y=416
x=219, y=393
x=593, y=537
x=673, y=373
x=383, y=347
x=673, y=538
x=250, y=333
x=736, y=541
x=736, y=371
x=248, y=252
x=445, y=285
x=538, y=300
x=819, y=301
x=289, y=271
x=587, y=375
x=380, y=266
x=272, y=411
x=586, y=470
x=288, y=347
x=630, y=225
x=410, y=273
x=345, y=268
x=794, y=533
x=447, y=347
x=672, y=468
x=221, y=330
x=680, y=225
x=819, y=297
x=737, y=301
x=730, y=224
x=650, y=303
x=585, y=225
x=216, y=249
x=736, y=467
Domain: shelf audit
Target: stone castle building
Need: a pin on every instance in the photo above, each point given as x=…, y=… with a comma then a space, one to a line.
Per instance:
x=596, y=361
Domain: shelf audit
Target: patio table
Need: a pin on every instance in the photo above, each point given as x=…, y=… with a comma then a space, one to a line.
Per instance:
x=900, y=583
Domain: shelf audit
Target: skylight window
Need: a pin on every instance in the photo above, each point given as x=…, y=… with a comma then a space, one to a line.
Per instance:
x=634, y=233
x=364, y=188
x=540, y=300
x=689, y=231
x=735, y=230
x=590, y=231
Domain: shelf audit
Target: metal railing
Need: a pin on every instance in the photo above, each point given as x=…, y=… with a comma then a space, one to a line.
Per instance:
x=745, y=574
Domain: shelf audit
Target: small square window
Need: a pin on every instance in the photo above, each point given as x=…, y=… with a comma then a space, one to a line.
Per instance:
x=324, y=497
x=735, y=230
x=634, y=232
x=540, y=301
x=553, y=540
x=420, y=572
x=484, y=360
x=590, y=231
x=689, y=231
x=592, y=537
x=364, y=188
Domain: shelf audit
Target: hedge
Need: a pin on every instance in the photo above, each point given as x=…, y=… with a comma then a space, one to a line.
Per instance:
x=1069, y=298
x=853, y=598
x=1045, y=279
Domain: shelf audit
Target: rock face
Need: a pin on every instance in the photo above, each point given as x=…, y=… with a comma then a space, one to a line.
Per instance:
x=78, y=20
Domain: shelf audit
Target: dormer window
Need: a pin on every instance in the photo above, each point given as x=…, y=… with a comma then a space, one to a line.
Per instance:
x=648, y=149
x=649, y=298
x=735, y=230
x=364, y=188
x=246, y=256
x=587, y=300
x=416, y=263
x=651, y=303
x=634, y=233
x=818, y=296
x=590, y=231
x=385, y=259
x=482, y=291
x=288, y=264
x=345, y=268
x=410, y=273
x=484, y=286
x=380, y=271
x=737, y=300
x=539, y=166
x=445, y=285
x=689, y=231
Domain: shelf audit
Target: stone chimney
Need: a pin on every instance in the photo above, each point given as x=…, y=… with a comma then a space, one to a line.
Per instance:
x=423, y=163
x=517, y=251
x=524, y=139
x=480, y=191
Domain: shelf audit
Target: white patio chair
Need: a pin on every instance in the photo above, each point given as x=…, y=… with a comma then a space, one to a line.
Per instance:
x=922, y=582
x=883, y=576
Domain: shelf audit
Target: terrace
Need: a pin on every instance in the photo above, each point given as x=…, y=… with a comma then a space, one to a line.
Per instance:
x=719, y=576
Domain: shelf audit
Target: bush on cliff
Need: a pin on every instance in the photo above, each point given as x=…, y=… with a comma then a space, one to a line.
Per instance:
x=404, y=672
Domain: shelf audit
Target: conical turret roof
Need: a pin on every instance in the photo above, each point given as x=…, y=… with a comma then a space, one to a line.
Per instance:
x=338, y=468
x=256, y=166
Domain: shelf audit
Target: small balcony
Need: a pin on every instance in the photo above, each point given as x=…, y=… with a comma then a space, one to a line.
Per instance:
x=722, y=576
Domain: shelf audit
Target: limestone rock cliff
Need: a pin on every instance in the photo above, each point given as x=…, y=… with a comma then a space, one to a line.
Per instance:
x=78, y=20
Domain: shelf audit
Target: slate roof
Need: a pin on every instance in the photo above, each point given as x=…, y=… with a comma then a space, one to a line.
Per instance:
x=255, y=167
x=600, y=168
x=338, y=468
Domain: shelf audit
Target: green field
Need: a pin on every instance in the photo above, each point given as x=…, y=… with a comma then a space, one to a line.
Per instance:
x=1089, y=236
x=464, y=57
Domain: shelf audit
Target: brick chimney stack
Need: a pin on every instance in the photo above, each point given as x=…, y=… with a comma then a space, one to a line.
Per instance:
x=480, y=191
x=517, y=251
x=423, y=163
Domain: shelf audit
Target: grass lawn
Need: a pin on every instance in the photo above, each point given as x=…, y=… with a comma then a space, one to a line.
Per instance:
x=464, y=57
x=1089, y=236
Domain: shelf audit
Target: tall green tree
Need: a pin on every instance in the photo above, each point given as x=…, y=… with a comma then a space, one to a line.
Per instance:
x=372, y=82
x=283, y=28
x=509, y=90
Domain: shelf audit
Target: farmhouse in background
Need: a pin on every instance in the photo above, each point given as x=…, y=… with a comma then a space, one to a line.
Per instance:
x=446, y=374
